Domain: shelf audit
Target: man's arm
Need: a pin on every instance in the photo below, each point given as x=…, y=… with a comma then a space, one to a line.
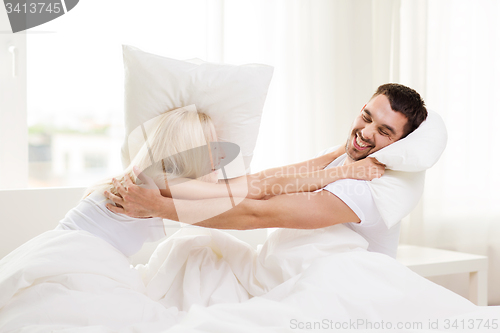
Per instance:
x=301, y=210
x=297, y=211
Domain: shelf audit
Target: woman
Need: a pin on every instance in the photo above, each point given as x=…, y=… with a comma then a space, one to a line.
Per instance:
x=182, y=160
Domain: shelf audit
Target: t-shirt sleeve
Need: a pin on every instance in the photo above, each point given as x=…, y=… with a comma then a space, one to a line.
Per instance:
x=357, y=195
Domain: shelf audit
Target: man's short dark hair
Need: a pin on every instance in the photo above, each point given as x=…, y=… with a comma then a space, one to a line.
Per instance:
x=407, y=101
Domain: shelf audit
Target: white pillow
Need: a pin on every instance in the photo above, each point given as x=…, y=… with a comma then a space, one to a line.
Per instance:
x=233, y=96
x=396, y=194
x=420, y=150
x=398, y=191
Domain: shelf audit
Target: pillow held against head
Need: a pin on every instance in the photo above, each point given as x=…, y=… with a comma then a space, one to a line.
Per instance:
x=233, y=96
x=420, y=150
x=398, y=191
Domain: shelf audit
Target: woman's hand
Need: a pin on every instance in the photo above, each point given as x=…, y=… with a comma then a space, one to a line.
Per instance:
x=366, y=169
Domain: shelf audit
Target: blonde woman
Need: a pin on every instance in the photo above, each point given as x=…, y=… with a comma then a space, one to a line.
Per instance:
x=180, y=153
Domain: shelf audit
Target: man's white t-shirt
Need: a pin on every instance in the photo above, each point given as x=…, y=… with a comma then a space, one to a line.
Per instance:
x=357, y=195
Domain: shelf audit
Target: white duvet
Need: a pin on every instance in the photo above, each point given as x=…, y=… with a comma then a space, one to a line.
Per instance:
x=204, y=280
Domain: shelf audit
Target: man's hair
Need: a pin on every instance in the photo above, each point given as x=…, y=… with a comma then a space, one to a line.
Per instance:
x=407, y=101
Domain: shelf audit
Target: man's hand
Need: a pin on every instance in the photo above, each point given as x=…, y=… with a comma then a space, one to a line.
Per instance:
x=135, y=201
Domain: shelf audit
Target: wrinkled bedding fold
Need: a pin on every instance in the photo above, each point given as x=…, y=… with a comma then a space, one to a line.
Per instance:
x=208, y=281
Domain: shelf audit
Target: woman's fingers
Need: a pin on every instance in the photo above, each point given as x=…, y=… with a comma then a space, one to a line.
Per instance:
x=376, y=168
x=381, y=170
x=376, y=172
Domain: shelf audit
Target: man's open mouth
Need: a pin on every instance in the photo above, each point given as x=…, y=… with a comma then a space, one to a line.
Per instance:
x=359, y=144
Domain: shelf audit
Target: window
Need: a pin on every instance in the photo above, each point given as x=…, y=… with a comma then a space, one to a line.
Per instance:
x=65, y=107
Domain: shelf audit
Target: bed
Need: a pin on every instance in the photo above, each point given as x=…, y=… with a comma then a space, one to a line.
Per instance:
x=205, y=280
x=208, y=281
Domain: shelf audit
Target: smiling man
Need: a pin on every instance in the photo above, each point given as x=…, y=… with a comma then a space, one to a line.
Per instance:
x=392, y=113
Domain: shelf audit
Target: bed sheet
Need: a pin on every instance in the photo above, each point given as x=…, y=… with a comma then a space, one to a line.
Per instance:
x=203, y=280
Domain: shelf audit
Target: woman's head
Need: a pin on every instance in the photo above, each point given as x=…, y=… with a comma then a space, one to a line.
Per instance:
x=177, y=145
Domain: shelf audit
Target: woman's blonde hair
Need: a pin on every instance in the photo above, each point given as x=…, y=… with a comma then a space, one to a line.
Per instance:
x=170, y=150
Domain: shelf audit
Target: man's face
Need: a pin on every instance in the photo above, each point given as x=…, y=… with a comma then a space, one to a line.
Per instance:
x=376, y=127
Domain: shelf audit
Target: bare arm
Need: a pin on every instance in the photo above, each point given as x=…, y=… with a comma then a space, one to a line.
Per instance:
x=258, y=185
x=365, y=169
x=297, y=211
x=314, y=164
x=193, y=189
x=256, y=188
x=301, y=210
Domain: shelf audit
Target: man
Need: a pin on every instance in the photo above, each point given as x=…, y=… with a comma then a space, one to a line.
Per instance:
x=392, y=113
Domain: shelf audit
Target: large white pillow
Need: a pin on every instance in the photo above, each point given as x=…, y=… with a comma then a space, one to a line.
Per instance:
x=398, y=191
x=420, y=150
x=233, y=96
x=396, y=194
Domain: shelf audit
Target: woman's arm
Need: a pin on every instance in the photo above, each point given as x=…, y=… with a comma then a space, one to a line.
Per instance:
x=142, y=202
x=314, y=164
x=257, y=188
x=365, y=169
x=193, y=189
x=305, y=176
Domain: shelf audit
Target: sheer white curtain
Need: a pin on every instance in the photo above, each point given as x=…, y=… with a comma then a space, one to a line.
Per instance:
x=329, y=57
x=460, y=209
